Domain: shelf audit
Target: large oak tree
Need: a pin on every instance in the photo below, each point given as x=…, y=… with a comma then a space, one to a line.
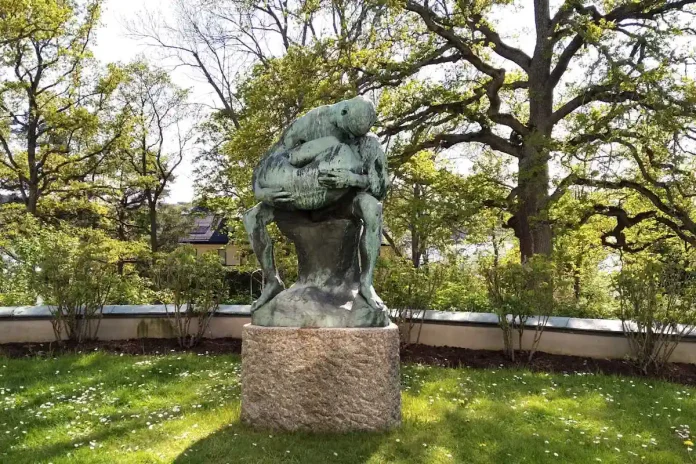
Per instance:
x=56, y=126
x=595, y=67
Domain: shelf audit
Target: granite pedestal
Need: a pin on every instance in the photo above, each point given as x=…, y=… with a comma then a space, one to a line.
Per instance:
x=321, y=379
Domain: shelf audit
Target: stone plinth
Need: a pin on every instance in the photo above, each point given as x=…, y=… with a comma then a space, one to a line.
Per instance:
x=326, y=291
x=321, y=379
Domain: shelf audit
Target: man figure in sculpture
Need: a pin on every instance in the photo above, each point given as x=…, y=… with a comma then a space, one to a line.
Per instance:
x=323, y=157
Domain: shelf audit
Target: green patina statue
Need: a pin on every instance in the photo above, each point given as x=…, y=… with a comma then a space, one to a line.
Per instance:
x=324, y=161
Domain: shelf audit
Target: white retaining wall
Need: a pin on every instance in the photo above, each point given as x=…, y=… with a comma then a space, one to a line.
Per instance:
x=595, y=338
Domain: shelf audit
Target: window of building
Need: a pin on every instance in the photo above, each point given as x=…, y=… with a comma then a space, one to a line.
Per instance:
x=222, y=253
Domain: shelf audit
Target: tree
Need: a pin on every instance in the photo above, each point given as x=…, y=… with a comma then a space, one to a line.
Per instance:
x=160, y=114
x=593, y=69
x=55, y=124
x=223, y=39
x=424, y=206
x=239, y=47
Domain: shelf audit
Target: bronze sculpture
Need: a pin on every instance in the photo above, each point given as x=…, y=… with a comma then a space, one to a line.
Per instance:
x=322, y=183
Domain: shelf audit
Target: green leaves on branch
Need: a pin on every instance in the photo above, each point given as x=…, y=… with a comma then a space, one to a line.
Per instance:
x=657, y=308
x=191, y=287
x=75, y=272
x=56, y=119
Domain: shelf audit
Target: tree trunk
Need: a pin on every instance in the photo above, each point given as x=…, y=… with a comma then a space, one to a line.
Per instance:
x=530, y=222
x=152, y=213
x=415, y=235
x=415, y=247
x=392, y=243
x=121, y=233
x=32, y=198
x=496, y=250
x=576, y=285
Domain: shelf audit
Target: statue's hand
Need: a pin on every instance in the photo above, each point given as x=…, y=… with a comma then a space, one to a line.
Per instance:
x=341, y=178
x=275, y=195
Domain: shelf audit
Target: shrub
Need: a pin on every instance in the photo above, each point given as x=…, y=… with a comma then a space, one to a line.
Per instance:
x=75, y=274
x=133, y=289
x=657, y=309
x=15, y=284
x=519, y=294
x=408, y=291
x=192, y=286
x=460, y=288
x=15, y=277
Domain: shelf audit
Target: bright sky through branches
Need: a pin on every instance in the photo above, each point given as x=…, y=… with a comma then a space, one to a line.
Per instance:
x=114, y=44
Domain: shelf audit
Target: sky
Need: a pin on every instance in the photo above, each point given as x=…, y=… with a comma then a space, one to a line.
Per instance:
x=113, y=44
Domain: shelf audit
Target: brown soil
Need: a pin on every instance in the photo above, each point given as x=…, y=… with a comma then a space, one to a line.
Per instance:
x=135, y=346
x=461, y=357
x=432, y=355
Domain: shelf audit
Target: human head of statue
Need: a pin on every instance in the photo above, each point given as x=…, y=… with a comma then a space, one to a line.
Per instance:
x=355, y=116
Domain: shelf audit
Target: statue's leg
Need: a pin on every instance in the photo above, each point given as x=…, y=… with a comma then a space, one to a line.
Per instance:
x=255, y=222
x=369, y=210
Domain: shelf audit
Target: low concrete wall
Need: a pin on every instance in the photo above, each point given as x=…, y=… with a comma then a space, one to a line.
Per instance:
x=594, y=338
x=591, y=344
x=490, y=338
x=40, y=331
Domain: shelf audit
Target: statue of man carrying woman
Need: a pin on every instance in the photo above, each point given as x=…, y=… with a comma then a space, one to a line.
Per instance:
x=325, y=161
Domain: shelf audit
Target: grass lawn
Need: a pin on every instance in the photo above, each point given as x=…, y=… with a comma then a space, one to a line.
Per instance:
x=184, y=408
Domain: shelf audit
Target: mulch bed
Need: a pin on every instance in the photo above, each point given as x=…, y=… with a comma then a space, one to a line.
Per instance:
x=135, y=346
x=542, y=362
x=432, y=355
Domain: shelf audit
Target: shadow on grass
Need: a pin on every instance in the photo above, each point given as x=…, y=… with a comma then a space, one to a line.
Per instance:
x=453, y=439
x=239, y=443
x=555, y=419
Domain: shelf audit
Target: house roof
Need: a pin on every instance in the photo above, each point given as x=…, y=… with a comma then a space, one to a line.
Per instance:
x=10, y=198
x=207, y=229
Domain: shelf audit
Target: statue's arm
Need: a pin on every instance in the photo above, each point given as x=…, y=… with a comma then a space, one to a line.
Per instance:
x=375, y=166
x=309, y=151
x=374, y=177
x=269, y=195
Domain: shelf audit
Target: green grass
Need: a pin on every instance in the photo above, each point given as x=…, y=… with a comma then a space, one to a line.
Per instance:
x=184, y=408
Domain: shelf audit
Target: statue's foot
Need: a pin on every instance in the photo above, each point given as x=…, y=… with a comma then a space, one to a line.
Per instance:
x=273, y=287
x=368, y=293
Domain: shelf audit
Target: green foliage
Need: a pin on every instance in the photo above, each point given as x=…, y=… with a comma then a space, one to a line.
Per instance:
x=174, y=222
x=461, y=290
x=424, y=206
x=15, y=277
x=133, y=289
x=452, y=285
x=580, y=257
x=75, y=273
x=57, y=121
x=522, y=294
x=401, y=285
x=657, y=307
x=15, y=284
x=185, y=409
x=192, y=286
